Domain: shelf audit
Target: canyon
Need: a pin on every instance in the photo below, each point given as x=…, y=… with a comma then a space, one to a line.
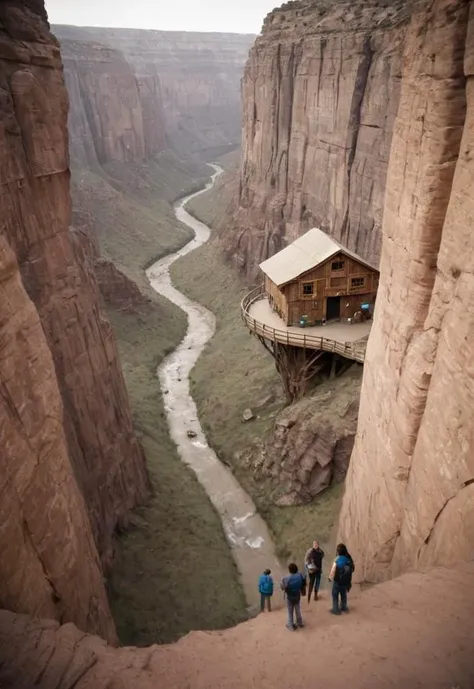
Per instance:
x=135, y=93
x=341, y=127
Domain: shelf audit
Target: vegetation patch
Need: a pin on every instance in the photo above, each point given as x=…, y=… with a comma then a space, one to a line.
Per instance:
x=174, y=571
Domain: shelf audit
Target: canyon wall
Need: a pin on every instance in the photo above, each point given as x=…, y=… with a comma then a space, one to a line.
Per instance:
x=320, y=94
x=65, y=420
x=137, y=93
x=109, y=120
x=409, y=498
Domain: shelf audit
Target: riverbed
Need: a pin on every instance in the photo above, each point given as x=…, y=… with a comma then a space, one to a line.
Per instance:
x=246, y=532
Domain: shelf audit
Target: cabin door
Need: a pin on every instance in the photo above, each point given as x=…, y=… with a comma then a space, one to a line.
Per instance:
x=333, y=308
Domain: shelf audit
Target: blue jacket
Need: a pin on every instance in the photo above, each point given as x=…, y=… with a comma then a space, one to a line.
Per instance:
x=265, y=585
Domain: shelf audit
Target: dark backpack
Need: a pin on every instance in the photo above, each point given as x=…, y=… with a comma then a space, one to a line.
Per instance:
x=343, y=575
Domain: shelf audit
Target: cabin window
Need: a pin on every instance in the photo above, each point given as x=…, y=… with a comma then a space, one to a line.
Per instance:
x=308, y=288
x=337, y=265
x=358, y=282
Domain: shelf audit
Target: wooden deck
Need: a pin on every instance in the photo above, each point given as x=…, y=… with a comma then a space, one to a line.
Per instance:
x=350, y=341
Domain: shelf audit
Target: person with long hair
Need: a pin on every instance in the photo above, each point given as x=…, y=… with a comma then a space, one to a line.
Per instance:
x=341, y=577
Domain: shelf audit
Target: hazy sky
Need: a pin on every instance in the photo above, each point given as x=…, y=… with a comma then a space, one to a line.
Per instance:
x=239, y=16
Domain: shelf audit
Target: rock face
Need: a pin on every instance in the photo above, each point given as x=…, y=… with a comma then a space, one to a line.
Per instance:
x=311, y=443
x=392, y=639
x=108, y=118
x=49, y=565
x=320, y=93
x=92, y=415
x=152, y=90
x=410, y=490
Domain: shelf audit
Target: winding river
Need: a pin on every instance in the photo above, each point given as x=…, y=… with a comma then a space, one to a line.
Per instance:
x=246, y=532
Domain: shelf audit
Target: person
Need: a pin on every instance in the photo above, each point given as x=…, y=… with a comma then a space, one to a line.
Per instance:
x=341, y=577
x=294, y=585
x=314, y=564
x=265, y=587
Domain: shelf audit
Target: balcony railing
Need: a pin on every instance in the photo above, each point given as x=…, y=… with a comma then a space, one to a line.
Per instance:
x=350, y=350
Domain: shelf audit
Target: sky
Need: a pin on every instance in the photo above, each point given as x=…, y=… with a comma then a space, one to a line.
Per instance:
x=236, y=16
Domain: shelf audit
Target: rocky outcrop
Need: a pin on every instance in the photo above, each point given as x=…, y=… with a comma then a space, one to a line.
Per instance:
x=117, y=290
x=140, y=92
x=320, y=94
x=94, y=415
x=410, y=489
x=310, y=445
x=391, y=639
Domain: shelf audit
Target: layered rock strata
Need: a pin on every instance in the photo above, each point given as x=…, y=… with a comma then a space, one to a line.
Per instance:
x=320, y=94
x=103, y=459
x=185, y=93
x=410, y=489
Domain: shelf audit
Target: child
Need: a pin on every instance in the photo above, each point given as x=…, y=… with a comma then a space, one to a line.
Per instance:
x=294, y=586
x=265, y=586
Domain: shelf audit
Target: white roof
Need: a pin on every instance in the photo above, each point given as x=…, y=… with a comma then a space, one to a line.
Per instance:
x=303, y=254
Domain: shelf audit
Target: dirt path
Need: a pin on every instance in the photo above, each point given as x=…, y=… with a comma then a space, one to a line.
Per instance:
x=246, y=532
x=414, y=632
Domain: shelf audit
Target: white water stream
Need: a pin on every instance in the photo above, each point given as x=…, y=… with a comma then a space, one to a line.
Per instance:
x=246, y=532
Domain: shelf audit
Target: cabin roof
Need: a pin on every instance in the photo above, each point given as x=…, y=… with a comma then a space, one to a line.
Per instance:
x=304, y=254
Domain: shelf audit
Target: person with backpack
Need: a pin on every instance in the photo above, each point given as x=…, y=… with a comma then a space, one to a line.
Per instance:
x=265, y=587
x=341, y=577
x=294, y=586
x=314, y=566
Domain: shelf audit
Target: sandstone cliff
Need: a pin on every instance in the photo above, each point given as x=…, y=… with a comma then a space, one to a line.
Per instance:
x=184, y=95
x=49, y=565
x=92, y=416
x=410, y=490
x=109, y=117
x=320, y=93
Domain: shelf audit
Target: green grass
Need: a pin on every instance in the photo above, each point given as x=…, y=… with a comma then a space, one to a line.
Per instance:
x=174, y=571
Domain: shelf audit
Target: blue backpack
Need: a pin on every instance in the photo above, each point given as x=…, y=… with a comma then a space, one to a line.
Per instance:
x=295, y=587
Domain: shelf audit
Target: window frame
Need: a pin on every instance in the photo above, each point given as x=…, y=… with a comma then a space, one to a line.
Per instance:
x=362, y=284
x=309, y=283
x=340, y=262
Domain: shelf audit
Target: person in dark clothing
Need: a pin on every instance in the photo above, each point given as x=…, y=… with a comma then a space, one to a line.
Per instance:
x=314, y=565
x=341, y=577
x=265, y=587
x=294, y=586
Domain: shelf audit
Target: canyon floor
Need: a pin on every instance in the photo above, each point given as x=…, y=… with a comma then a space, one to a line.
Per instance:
x=251, y=381
x=410, y=632
x=133, y=229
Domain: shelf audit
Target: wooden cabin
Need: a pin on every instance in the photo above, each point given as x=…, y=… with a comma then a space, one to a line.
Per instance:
x=317, y=278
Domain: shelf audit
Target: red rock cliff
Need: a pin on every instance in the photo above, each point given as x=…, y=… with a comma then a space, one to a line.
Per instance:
x=320, y=93
x=410, y=491
x=93, y=415
x=188, y=85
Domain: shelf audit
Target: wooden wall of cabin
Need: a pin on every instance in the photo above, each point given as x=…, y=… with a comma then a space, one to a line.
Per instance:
x=328, y=281
x=277, y=299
